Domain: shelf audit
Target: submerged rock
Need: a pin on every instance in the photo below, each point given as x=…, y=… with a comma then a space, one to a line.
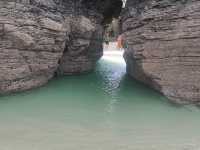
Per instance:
x=162, y=39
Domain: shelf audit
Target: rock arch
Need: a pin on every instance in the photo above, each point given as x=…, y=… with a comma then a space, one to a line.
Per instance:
x=40, y=37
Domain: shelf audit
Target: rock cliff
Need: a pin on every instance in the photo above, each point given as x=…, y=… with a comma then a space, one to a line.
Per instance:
x=41, y=38
x=162, y=40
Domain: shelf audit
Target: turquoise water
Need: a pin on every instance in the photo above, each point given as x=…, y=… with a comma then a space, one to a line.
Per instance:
x=104, y=110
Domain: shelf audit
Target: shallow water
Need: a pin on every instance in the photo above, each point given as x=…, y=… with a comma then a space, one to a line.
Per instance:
x=104, y=110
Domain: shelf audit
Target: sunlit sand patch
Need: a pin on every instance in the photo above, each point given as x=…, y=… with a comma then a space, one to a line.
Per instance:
x=115, y=56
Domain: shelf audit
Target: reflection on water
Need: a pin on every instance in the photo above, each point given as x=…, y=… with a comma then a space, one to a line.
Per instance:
x=104, y=110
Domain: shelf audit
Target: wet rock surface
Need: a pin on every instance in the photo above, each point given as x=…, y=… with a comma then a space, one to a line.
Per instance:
x=40, y=38
x=162, y=40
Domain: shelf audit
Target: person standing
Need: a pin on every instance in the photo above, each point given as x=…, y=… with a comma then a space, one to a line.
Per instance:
x=120, y=42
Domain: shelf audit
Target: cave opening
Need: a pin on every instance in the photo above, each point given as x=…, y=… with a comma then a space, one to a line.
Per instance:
x=112, y=41
x=94, y=31
x=110, y=10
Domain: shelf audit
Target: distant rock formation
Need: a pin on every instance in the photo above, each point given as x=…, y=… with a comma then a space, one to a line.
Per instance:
x=41, y=38
x=162, y=39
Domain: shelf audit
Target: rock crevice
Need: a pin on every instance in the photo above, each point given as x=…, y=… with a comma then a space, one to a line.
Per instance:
x=41, y=37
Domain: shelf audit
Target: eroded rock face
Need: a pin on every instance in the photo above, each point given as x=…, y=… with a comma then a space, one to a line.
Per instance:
x=162, y=39
x=84, y=45
x=32, y=41
x=84, y=42
x=41, y=37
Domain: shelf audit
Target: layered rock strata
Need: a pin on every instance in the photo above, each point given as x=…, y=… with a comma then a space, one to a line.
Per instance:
x=41, y=38
x=32, y=41
x=162, y=40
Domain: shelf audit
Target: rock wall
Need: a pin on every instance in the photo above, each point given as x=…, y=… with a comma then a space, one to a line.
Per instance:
x=84, y=43
x=31, y=43
x=41, y=38
x=83, y=48
x=162, y=40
